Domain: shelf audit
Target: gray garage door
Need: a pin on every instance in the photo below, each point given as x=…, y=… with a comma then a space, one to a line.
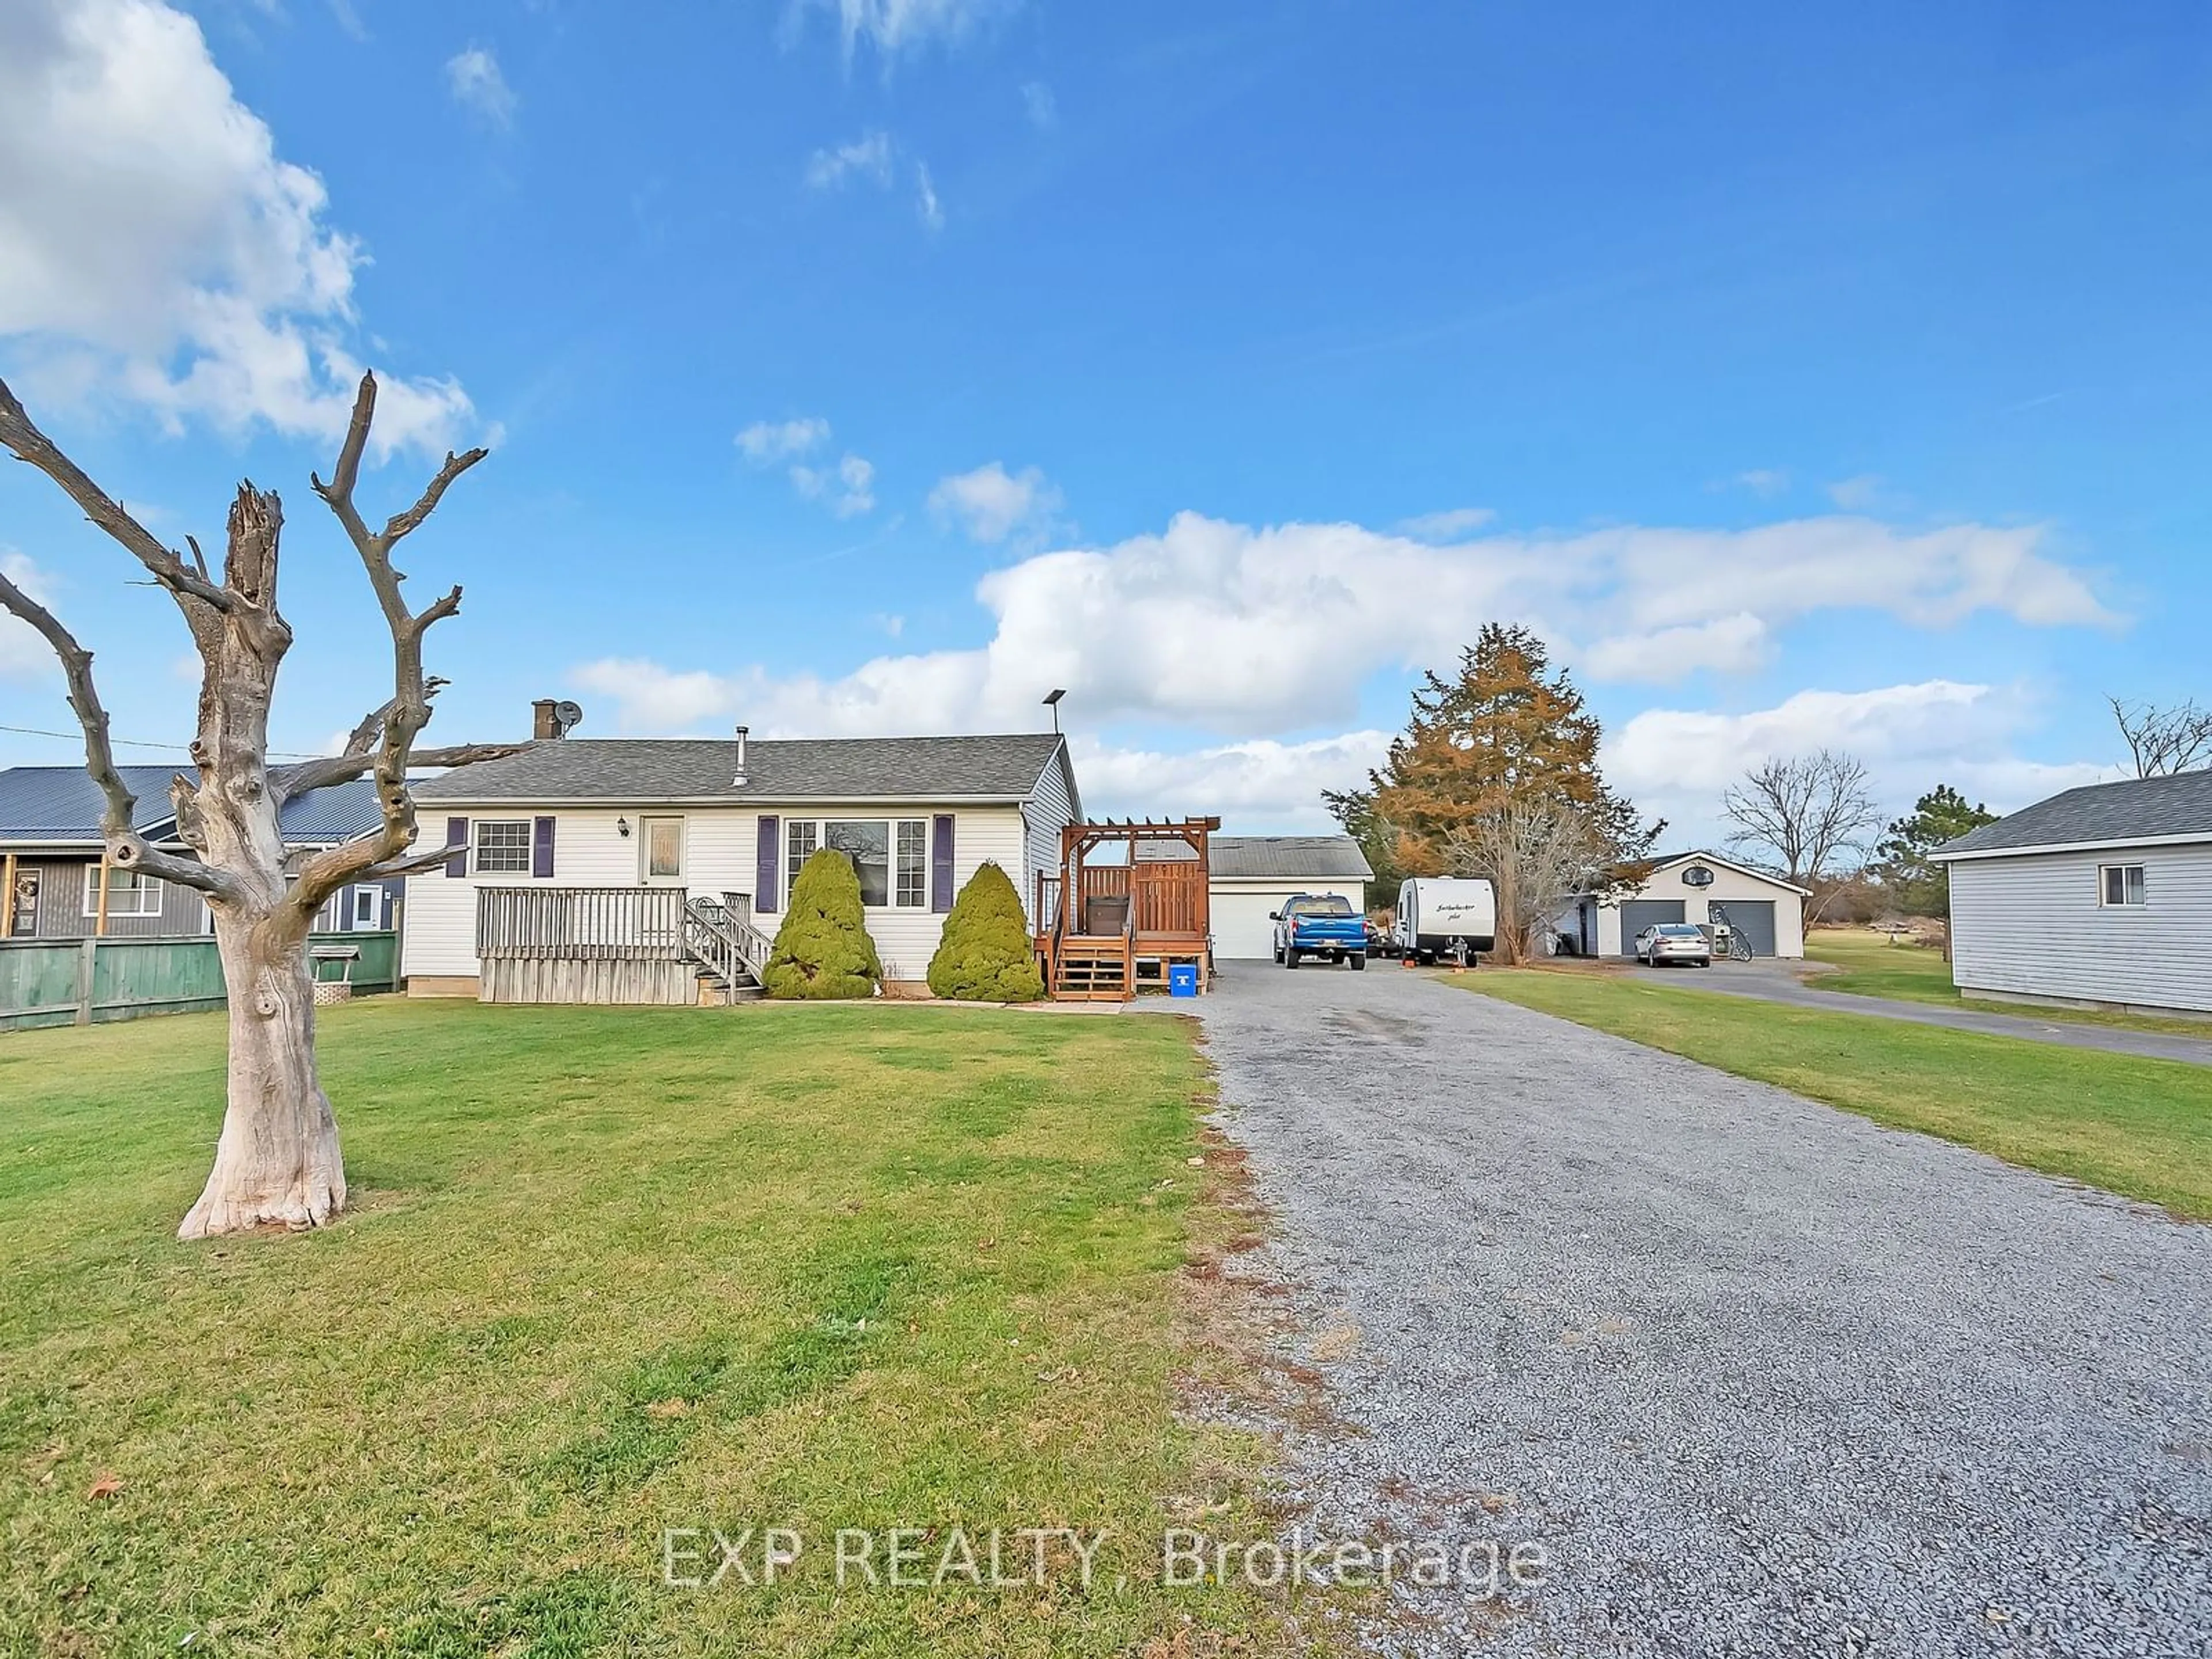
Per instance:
x=1637, y=915
x=1755, y=919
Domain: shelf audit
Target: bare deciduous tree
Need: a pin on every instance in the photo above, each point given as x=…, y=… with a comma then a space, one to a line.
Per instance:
x=1537, y=854
x=2161, y=741
x=1805, y=810
x=277, y=1161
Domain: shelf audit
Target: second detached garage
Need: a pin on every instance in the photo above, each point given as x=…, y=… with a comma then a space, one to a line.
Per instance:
x=1252, y=875
x=1697, y=887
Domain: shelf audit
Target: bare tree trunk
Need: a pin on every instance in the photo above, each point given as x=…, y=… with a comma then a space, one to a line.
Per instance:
x=278, y=1160
x=278, y=1163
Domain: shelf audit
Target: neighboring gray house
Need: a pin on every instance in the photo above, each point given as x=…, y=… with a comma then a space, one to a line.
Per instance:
x=2101, y=897
x=49, y=855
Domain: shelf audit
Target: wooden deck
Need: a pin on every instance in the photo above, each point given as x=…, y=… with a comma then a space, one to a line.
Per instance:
x=612, y=944
x=1107, y=931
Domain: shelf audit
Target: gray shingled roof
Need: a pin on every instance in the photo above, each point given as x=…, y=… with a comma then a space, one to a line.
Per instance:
x=777, y=770
x=1332, y=858
x=2135, y=809
x=61, y=804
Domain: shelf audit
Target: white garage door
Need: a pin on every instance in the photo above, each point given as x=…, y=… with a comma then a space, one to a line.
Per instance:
x=1240, y=927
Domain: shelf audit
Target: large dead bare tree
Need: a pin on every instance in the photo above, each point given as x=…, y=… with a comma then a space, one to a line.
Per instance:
x=1538, y=852
x=2163, y=740
x=278, y=1162
x=1807, y=809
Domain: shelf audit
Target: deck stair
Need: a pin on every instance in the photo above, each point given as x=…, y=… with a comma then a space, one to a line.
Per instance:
x=731, y=953
x=1088, y=968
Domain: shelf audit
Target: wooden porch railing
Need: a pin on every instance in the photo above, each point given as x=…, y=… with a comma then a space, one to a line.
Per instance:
x=582, y=924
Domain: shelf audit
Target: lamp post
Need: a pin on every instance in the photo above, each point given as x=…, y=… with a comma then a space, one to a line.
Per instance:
x=1052, y=701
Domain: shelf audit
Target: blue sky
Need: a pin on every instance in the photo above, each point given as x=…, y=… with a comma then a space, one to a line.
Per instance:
x=870, y=365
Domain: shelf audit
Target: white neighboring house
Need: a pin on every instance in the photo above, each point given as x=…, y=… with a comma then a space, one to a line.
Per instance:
x=2098, y=898
x=1766, y=910
x=715, y=816
x=1250, y=876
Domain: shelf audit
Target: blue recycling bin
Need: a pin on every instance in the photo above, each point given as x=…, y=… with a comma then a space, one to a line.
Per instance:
x=1182, y=979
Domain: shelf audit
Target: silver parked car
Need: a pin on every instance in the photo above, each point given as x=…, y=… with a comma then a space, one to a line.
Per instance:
x=1675, y=941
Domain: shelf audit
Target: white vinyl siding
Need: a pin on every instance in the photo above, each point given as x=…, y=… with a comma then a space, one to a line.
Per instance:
x=2038, y=925
x=1044, y=815
x=720, y=854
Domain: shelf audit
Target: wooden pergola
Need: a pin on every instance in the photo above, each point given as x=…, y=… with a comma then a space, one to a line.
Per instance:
x=1106, y=927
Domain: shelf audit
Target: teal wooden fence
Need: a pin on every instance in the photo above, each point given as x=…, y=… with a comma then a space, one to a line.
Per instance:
x=86, y=982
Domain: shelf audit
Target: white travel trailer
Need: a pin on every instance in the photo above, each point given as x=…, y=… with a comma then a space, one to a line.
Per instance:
x=1446, y=915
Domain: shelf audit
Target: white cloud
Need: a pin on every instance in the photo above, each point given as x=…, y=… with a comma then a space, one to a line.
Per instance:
x=767, y=441
x=474, y=78
x=848, y=488
x=895, y=27
x=1040, y=105
x=1262, y=786
x=1447, y=525
x=992, y=504
x=152, y=243
x=1223, y=628
x=868, y=156
x=23, y=654
x=1855, y=494
x=1730, y=644
x=926, y=203
x=1675, y=762
x=1765, y=480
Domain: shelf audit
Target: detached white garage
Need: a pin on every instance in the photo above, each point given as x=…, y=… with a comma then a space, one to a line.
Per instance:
x=1697, y=887
x=1252, y=875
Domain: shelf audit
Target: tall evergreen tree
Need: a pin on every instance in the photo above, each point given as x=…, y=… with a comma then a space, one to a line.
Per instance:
x=1917, y=885
x=1503, y=745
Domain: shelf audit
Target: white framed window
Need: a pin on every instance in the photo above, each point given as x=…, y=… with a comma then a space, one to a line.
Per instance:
x=890, y=856
x=660, y=845
x=130, y=893
x=913, y=864
x=503, y=846
x=365, y=906
x=2120, y=886
x=800, y=837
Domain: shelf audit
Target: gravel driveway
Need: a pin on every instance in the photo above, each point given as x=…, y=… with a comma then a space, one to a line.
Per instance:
x=1759, y=1376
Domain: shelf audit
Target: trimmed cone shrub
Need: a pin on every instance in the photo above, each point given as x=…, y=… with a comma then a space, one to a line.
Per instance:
x=823, y=951
x=985, y=955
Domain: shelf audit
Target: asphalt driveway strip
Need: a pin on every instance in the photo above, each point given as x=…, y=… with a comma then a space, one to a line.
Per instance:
x=1770, y=980
x=1754, y=1375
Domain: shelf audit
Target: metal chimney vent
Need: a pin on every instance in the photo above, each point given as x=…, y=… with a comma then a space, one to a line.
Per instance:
x=738, y=781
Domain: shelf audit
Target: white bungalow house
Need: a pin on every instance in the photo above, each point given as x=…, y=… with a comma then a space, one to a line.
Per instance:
x=2101, y=897
x=1698, y=887
x=630, y=870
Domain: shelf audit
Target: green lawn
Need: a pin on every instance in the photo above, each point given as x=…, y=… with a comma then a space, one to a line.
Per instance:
x=2141, y=1127
x=610, y=1273
x=1870, y=966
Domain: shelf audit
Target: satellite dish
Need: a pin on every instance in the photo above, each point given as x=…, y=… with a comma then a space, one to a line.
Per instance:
x=567, y=716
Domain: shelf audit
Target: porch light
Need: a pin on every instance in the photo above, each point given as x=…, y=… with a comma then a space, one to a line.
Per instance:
x=622, y=828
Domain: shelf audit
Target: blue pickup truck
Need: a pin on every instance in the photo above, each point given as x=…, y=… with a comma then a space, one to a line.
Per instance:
x=1319, y=925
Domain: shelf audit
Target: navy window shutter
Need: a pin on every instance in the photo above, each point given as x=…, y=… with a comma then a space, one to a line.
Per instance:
x=940, y=864
x=457, y=835
x=541, y=849
x=765, y=896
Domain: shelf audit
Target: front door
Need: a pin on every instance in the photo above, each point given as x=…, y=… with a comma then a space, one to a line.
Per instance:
x=25, y=923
